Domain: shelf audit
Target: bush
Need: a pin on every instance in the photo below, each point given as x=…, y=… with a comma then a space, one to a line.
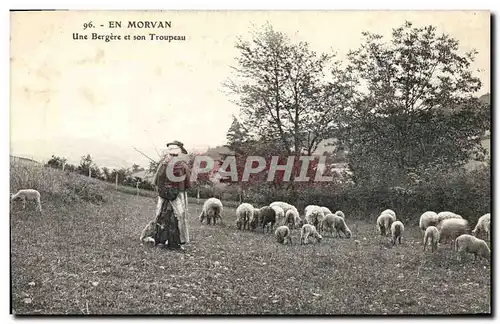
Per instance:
x=463, y=192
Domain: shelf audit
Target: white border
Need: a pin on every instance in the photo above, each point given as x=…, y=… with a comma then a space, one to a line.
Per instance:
x=200, y=5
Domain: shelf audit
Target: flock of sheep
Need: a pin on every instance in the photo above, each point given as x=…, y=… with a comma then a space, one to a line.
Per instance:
x=436, y=227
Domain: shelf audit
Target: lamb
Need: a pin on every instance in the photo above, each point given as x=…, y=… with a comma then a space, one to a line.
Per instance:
x=331, y=222
x=466, y=243
x=397, y=229
x=254, y=220
x=267, y=217
x=429, y=218
x=28, y=194
x=340, y=213
x=431, y=236
x=452, y=228
x=148, y=233
x=384, y=222
x=212, y=209
x=314, y=216
x=280, y=213
x=447, y=215
x=293, y=219
x=309, y=230
x=283, y=234
x=483, y=225
x=244, y=214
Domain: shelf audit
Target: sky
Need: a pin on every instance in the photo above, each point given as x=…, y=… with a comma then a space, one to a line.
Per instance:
x=73, y=97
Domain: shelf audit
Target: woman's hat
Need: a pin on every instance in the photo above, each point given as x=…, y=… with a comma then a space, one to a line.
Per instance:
x=179, y=145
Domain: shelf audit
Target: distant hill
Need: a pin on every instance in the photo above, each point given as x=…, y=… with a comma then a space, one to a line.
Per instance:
x=24, y=160
x=486, y=98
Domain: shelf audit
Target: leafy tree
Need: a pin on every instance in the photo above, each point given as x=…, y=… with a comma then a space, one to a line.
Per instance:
x=284, y=94
x=85, y=164
x=418, y=109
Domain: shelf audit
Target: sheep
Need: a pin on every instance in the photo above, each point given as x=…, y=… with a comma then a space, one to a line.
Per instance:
x=212, y=209
x=293, y=219
x=148, y=233
x=314, y=216
x=483, y=225
x=336, y=222
x=244, y=214
x=27, y=194
x=447, y=215
x=471, y=244
x=340, y=213
x=397, y=229
x=286, y=206
x=452, y=228
x=282, y=234
x=267, y=216
x=384, y=222
x=309, y=230
x=389, y=211
x=431, y=236
x=325, y=210
x=429, y=218
x=254, y=221
x=280, y=213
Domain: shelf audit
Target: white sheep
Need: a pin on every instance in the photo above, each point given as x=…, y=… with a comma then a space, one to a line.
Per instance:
x=429, y=218
x=292, y=218
x=254, y=220
x=331, y=222
x=309, y=230
x=452, y=228
x=282, y=234
x=431, y=236
x=389, y=211
x=286, y=206
x=483, y=225
x=466, y=243
x=384, y=222
x=244, y=215
x=212, y=209
x=447, y=215
x=28, y=194
x=280, y=214
x=314, y=215
x=397, y=229
x=325, y=210
x=340, y=213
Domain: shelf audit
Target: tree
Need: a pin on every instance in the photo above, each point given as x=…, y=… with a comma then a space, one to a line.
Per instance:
x=284, y=94
x=238, y=139
x=56, y=162
x=85, y=164
x=136, y=168
x=107, y=174
x=419, y=108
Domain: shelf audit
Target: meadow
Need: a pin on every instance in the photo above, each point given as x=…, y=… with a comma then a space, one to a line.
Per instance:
x=82, y=255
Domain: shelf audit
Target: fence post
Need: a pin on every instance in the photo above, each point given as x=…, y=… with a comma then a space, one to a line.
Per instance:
x=116, y=182
x=137, y=188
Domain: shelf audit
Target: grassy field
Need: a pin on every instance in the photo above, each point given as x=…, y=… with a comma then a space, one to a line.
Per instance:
x=86, y=258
